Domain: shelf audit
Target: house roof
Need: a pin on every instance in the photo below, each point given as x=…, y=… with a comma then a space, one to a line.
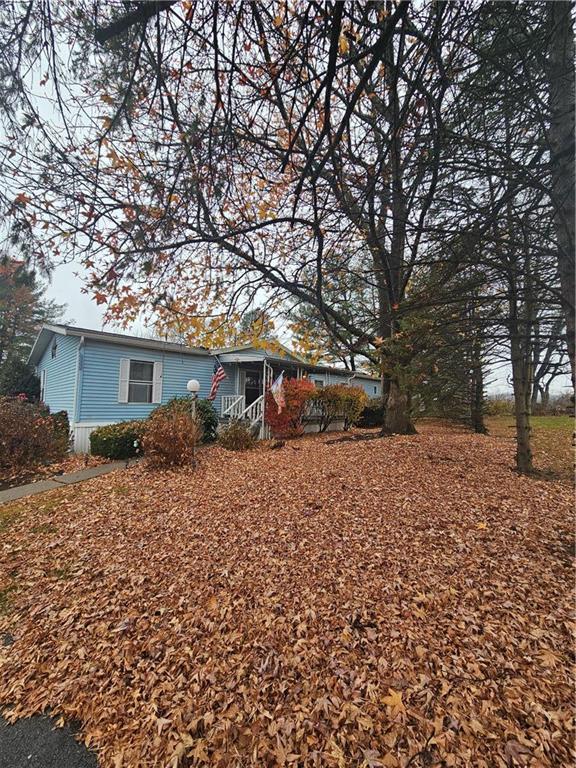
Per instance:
x=276, y=352
x=262, y=351
x=47, y=331
x=256, y=354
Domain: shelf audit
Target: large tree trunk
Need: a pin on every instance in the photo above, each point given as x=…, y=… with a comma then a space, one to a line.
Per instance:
x=397, y=418
x=521, y=384
x=477, y=404
x=561, y=83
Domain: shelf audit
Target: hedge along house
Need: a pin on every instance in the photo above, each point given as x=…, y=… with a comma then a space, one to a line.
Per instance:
x=102, y=378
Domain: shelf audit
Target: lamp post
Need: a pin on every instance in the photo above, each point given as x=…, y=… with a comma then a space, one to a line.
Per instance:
x=193, y=387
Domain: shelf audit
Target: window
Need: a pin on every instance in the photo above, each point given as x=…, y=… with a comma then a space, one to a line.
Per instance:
x=375, y=390
x=318, y=383
x=140, y=382
x=54, y=349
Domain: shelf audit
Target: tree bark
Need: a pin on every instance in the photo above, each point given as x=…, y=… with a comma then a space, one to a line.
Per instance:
x=477, y=404
x=397, y=417
x=561, y=84
x=521, y=384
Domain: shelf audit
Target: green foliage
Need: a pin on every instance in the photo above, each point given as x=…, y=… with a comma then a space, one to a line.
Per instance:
x=373, y=413
x=171, y=437
x=22, y=310
x=18, y=378
x=205, y=412
x=327, y=405
x=353, y=401
x=500, y=405
x=208, y=417
x=338, y=401
x=237, y=436
x=118, y=441
x=28, y=435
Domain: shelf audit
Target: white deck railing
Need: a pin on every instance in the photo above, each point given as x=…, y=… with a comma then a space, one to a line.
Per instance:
x=254, y=411
x=232, y=406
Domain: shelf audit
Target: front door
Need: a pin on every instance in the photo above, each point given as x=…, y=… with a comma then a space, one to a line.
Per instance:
x=252, y=385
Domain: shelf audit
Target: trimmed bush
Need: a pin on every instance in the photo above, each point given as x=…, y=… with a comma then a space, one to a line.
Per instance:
x=329, y=404
x=373, y=413
x=353, y=401
x=118, y=441
x=288, y=423
x=171, y=437
x=237, y=436
x=28, y=436
x=208, y=417
x=205, y=413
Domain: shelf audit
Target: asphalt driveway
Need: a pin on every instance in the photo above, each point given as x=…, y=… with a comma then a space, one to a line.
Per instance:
x=35, y=742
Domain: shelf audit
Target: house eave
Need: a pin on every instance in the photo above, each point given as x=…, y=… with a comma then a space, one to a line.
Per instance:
x=47, y=330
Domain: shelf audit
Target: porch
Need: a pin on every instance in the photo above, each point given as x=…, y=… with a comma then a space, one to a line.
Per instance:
x=253, y=378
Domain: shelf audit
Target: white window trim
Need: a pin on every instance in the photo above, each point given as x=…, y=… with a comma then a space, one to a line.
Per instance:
x=42, y=384
x=124, y=381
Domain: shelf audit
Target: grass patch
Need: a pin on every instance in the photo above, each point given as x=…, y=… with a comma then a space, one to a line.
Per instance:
x=64, y=573
x=9, y=513
x=5, y=598
x=551, y=442
x=44, y=528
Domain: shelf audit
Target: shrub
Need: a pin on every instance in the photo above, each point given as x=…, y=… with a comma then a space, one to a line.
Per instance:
x=373, y=413
x=329, y=403
x=18, y=377
x=205, y=413
x=288, y=423
x=237, y=436
x=27, y=434
x=118, y=441
x=171, y=437
x=500, y=405
x=353, y=402
x=61, y=425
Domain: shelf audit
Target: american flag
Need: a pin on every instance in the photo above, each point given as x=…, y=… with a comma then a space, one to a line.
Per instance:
x=218, y=376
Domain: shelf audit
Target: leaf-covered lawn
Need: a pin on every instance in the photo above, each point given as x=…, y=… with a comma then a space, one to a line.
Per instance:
x=390, y=602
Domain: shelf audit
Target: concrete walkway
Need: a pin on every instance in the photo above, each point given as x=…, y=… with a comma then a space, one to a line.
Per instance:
x=11, y=494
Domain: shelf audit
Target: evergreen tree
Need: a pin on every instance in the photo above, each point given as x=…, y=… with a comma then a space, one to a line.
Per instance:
x=22, y=310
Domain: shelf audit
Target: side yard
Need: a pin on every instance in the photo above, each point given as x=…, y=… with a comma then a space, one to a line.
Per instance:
x=405, y=601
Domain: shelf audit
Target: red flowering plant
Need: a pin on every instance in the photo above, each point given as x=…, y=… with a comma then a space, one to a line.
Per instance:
x=288, y=423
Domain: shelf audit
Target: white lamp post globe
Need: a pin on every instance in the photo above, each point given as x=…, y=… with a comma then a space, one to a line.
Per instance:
x=193, y=386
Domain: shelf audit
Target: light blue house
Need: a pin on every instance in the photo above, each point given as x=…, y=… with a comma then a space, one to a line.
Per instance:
x=101, y=378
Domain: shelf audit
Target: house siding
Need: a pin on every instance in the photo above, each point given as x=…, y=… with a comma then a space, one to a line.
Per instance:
x=368, y=385
x=60, y=384
x=101, y=371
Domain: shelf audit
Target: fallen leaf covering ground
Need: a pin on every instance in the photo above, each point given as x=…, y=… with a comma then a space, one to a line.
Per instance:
x=404, y=601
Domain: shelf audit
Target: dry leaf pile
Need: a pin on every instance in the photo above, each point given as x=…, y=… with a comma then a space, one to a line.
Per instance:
x=395, y=602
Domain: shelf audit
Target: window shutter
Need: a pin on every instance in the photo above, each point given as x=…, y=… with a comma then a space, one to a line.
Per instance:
x=157, y=383
x=123, y=380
